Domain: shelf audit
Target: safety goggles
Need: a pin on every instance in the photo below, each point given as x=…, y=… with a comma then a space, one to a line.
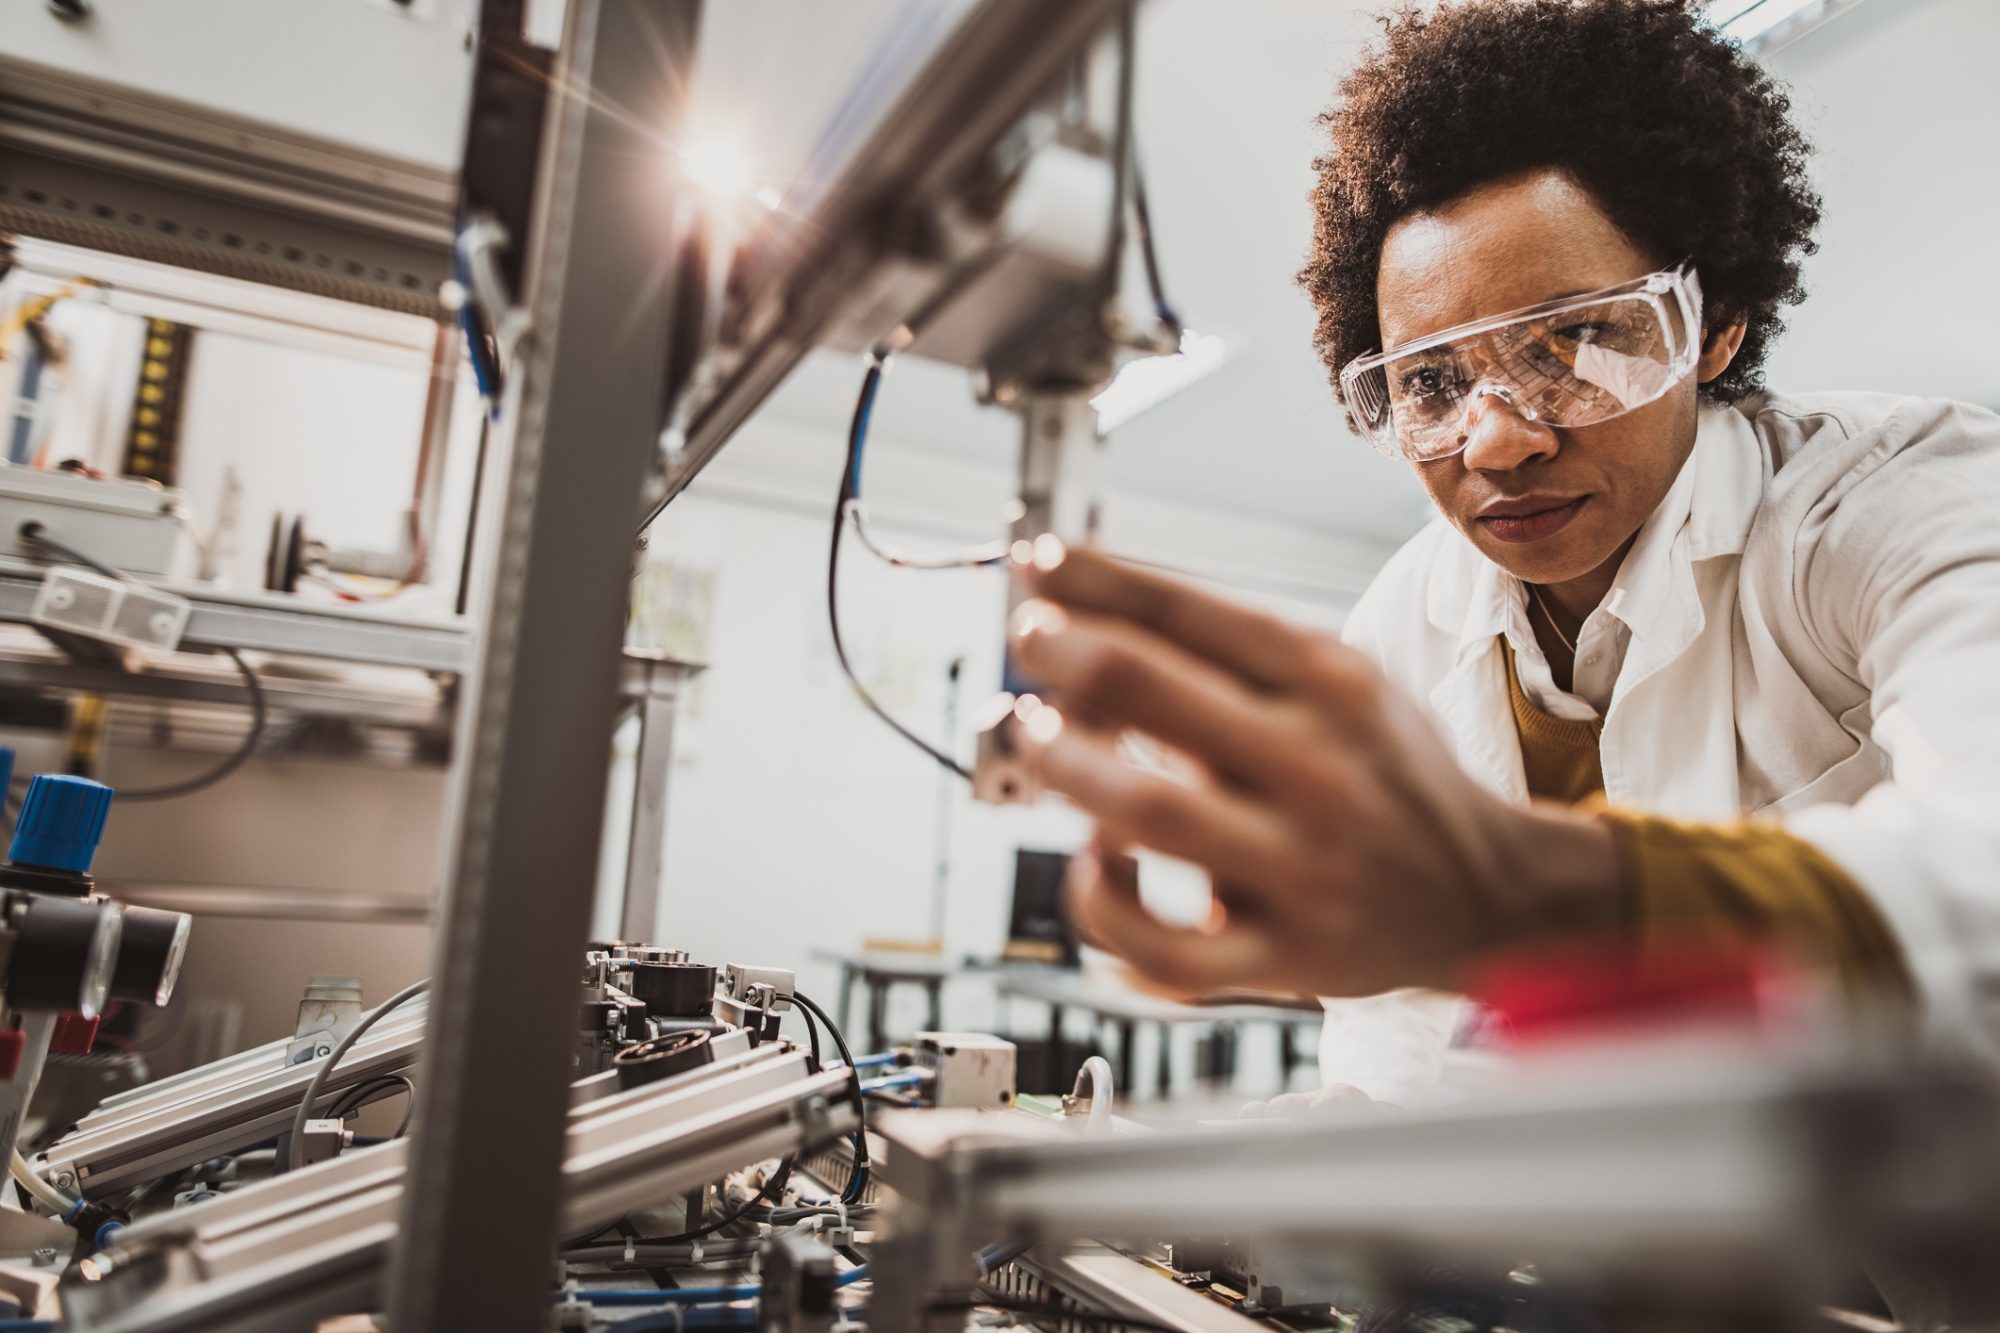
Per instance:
x=1573, y=362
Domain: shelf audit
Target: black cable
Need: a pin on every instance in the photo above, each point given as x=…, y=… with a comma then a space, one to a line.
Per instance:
x=1121, y=147
x=812, y=1036
x=353, y=1098
x=1143, y=226
x=326, y=1066
x=36, y=534
x=850, y=489
x=857, y=1185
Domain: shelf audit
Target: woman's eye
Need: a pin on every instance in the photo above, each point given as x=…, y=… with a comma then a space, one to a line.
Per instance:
x=1589, y=332
x=1425, y=382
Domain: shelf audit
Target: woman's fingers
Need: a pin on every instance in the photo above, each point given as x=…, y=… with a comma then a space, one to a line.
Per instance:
x=1122, y=675
x=1232, y=836
x=1260, y=648
x=1104, y=904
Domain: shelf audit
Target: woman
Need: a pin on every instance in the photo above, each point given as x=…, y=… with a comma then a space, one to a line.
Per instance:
x=1678, y=654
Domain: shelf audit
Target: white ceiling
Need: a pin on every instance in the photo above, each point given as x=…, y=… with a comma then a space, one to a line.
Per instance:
x=1897, y=92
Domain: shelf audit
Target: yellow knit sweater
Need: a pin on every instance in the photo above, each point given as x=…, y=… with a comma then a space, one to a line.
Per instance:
x=1749, y=879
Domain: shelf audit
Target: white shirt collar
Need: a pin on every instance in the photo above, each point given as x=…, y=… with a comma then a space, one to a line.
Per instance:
x=1707, y=512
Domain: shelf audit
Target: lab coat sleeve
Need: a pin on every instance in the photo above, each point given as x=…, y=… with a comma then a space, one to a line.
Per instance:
x=1390, y=1046
x=1897, y=574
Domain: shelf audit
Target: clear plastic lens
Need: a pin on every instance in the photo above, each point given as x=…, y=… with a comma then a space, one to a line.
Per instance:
x=1570, y=364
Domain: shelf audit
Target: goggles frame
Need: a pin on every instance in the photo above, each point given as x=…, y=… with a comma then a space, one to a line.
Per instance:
x=1678, y=283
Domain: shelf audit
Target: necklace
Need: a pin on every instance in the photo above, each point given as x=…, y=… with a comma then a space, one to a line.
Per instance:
x=1535, y=596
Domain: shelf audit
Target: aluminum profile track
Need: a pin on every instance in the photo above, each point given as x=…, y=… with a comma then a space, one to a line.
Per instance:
x=310, y=1245
x=218, y=1109
x=94, y=164
x=796, y=275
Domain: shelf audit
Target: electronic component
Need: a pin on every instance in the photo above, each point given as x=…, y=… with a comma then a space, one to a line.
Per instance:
x=968, y=1069
x=137, y=526
x=799, y=1286
x=755, y=998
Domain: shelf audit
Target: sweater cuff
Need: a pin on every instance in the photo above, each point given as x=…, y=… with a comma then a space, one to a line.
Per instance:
x=1757, y=882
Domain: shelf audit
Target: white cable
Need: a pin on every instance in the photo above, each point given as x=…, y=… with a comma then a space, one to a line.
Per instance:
x=49, y=1196
x=1097, y=1071
x=992, y=553
x=317, y=1085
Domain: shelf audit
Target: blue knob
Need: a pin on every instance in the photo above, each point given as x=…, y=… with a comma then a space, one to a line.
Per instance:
x=61, y=823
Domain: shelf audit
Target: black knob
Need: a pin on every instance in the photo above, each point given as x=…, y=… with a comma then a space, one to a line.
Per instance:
x=674, y=990
x=149, y=955
x=662, y=1057
x=62, y=957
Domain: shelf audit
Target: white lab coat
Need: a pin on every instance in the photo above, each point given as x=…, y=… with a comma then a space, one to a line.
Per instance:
x=1807, y=629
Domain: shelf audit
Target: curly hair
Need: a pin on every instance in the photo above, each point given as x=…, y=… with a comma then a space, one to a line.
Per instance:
x=1684, y=142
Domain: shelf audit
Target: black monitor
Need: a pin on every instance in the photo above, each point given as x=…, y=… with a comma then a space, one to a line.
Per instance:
x=1039, y=929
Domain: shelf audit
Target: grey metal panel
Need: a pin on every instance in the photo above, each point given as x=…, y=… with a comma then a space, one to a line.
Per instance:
x=578, y=431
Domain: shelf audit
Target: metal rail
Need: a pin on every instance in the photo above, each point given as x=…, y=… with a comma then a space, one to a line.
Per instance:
x=275, y=623
x=93, y=164
x=303, y=1247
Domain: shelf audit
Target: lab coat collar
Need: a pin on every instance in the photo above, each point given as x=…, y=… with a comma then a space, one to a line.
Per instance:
x=1706, y=513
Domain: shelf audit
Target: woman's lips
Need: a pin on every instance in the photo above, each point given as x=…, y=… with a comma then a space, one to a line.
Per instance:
x=1535, y=526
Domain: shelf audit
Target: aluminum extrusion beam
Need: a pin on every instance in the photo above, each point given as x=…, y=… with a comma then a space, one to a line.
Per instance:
x=111, y=168
x=309, y=1245
x=796, y=273
x=226, y=1109
x=1719, y=1183
x=578, y=431
x=655, y=683
x=367, y=702
x=276, y=623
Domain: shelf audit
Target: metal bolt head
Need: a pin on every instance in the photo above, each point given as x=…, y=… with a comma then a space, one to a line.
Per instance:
x=65, y=1181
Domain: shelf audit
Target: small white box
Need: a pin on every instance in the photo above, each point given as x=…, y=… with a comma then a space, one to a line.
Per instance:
x=969, y=1069
x=113, y=610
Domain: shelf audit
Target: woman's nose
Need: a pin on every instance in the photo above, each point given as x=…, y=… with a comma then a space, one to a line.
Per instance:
x=1501, y=434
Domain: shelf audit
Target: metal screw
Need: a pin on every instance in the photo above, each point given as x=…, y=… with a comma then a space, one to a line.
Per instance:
x=65, y=1180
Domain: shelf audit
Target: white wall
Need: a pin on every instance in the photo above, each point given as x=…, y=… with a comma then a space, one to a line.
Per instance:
x=1900, y=99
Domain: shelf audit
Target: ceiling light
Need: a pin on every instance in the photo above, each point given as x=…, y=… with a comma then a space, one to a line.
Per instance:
x=1763, y=25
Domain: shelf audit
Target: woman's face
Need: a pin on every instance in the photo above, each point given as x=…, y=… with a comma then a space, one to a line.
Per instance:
x=1547, y=504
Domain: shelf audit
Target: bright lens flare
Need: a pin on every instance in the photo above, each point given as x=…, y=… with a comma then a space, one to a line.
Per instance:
x=718, y=167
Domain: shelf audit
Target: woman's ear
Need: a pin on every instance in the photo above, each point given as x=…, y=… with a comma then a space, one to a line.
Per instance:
x=1720, y=350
